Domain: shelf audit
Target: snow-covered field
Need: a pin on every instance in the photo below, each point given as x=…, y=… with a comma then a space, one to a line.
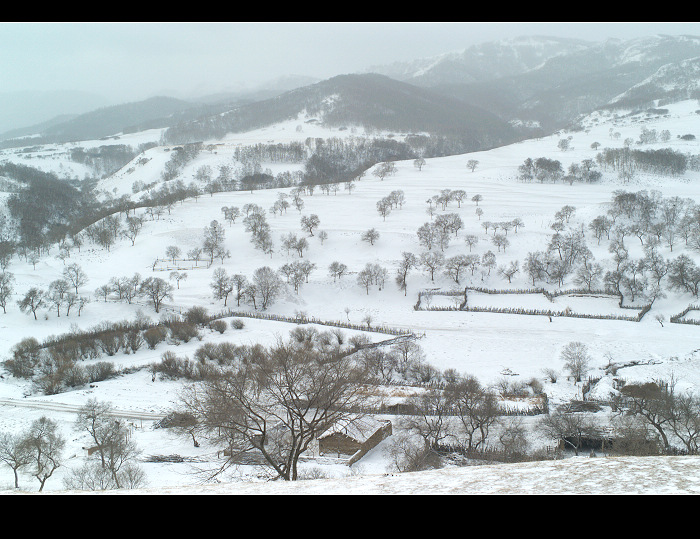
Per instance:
x=486, y=345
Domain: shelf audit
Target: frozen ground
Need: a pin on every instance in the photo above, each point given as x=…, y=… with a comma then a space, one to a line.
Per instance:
x=486, y=345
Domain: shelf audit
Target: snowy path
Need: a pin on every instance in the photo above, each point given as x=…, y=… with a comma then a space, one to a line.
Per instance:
x=73, y=408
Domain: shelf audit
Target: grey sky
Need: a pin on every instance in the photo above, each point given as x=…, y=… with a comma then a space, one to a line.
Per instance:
x=130, y=61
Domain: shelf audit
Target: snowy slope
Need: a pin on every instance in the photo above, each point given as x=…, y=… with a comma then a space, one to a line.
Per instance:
x=486, y=345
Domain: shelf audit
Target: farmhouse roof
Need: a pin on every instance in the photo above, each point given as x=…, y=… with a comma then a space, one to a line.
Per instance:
x=359, y=429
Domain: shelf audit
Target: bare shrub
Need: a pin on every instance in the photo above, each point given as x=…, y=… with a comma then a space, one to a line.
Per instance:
x=237, y=323
x=197, y=315
x=102, y=370
x=183, y=331
x=218, y=325
x=154, y=336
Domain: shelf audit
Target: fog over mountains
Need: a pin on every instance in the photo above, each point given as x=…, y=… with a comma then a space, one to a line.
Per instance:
x=488, y=94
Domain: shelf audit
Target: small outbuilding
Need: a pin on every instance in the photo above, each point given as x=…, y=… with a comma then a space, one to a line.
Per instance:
x=353, y=439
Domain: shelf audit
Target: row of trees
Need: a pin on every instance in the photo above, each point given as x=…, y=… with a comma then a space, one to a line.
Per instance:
x=39, y=450
x=260, y=291
x=154, y=289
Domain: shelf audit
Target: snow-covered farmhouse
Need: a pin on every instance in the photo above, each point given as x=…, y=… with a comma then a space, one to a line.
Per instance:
x=355, y=438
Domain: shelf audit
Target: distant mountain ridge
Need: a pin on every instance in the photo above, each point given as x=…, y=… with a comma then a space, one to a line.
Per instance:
x=151, y=113
x=483, y=95
x=551, y=80
x=483, y=62
x=370, y=101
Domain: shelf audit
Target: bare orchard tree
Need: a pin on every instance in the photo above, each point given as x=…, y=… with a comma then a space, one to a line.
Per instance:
x=14, y=453
x=45, y=445
x=277, y=405
x=157, y=290
x=221, y=284
x=576, y=359
x=6, y=289
x=75, y=275
x=268, y=285
x=432, y=262
x=32, y=301
x=370, y=236
x=115, y=449
x=407, y=263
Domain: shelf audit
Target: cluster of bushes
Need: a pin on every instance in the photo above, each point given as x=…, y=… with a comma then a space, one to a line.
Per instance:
x=210, y=356
x=51, y=369
x=53, y=365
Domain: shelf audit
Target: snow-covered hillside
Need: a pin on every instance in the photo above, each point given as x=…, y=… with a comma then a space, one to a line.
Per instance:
x=490, y=346
x=581, y=476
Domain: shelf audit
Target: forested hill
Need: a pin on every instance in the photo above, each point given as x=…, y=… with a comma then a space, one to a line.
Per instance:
x=369, y=101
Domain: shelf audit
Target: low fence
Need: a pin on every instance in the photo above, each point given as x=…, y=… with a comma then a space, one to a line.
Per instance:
x=177, y=264
x=643, y=309
x=678, y=318
x=312, y=320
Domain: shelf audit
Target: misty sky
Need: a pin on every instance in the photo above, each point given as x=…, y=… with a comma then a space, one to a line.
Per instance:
x=132, y=61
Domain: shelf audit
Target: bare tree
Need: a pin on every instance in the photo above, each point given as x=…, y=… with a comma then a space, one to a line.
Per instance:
x=652, y=402
x=178, y=276
x=567, y=427
x=432, y=262
x=366, y=277
x=455, y=265
x=6, y=289
x=408, y=456
x=277, y=405
x=382, y=170
x=14, y=453
x=134, y=225
x=430, y=421
x=267, y=285
x=157, y=290
x=32, y=301
x=337, y=270
x=239, y=284
x=576, y=359
x=114, y=446
x=45, y=445
x=384, y=207
x=407, y=263
x=172, y=252
x=471, y=240
x=370, y=236
x=75, y=276
x=310, y=222
x=477, y=409
x=221, y=284
x=510, y=270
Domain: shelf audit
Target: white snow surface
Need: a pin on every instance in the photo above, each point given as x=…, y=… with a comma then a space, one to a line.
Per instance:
x=489, y=346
